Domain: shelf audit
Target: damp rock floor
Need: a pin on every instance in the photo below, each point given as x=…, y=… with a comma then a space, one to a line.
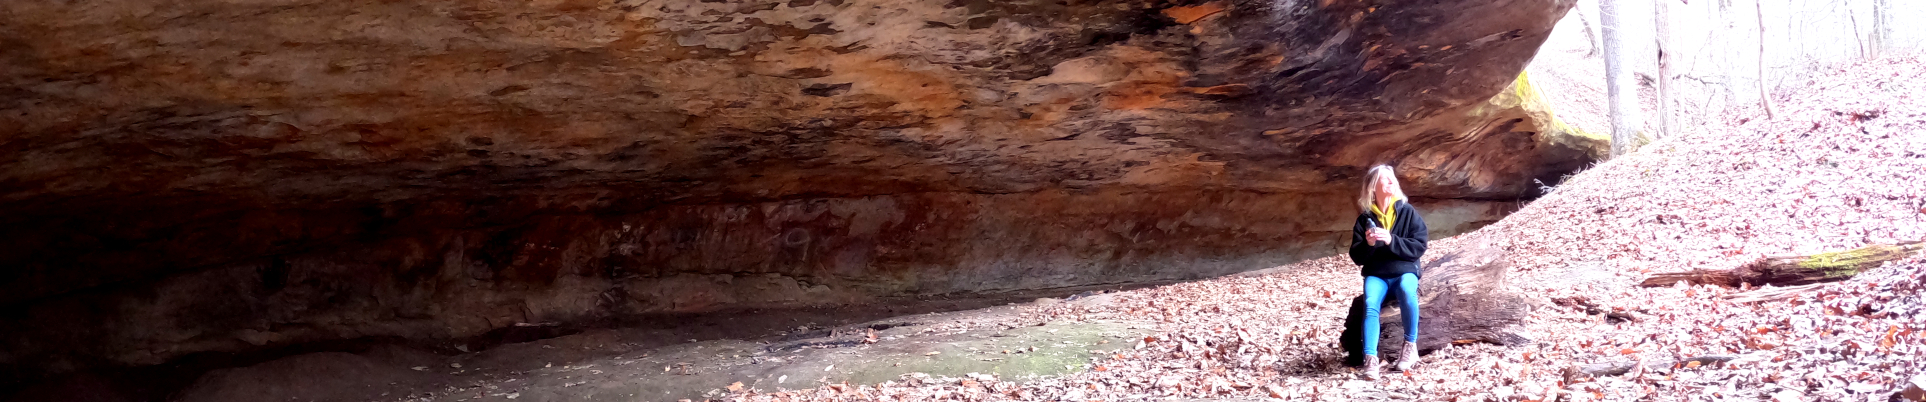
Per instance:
x=635, y=364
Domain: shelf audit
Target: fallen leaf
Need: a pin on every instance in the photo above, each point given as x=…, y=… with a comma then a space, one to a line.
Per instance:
x=1274, y=390
x=1788, y=396
x=1864, y=388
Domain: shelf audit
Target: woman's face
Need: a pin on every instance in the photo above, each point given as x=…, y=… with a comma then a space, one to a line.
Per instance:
x=1384, y=184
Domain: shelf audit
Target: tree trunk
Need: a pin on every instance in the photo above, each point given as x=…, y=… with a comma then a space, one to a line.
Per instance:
x=1881, y=28
x=1793, y=270
x=1765, y=97
x=1864, y=52
x=1664, y=24
x=1621, y=91
x=1591, y=38
x=1461, y=300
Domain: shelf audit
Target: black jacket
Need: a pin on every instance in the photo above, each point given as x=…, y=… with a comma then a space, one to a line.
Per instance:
x=1399, y=257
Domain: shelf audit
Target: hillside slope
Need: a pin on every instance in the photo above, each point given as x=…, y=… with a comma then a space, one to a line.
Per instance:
x=1842, y=165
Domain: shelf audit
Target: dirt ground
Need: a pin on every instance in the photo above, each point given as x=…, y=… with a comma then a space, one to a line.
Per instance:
x=638, y=364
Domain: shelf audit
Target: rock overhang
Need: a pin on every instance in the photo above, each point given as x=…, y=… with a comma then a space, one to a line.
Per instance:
x=333, y=168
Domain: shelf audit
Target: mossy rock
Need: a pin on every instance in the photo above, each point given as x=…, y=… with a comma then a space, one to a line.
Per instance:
x=1524, y=96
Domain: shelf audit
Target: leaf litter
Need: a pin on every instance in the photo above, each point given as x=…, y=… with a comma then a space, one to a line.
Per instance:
x=1842, y=166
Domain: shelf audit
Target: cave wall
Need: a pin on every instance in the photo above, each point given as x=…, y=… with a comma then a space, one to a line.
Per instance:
x=209, y=176
x=420, y=279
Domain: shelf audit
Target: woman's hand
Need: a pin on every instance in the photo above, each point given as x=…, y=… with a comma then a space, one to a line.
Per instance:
x=1378, y=236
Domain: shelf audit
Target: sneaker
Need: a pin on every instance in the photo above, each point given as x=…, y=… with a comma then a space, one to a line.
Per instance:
x=1371, y=367
x=1409, y=357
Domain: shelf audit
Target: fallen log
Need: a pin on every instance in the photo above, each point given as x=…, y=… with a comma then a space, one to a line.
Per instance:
x=1613, y=315
x=1622, y=368
x=1793, y=270
x=1771, y=294
x=1462, y=300
x=1637, y=368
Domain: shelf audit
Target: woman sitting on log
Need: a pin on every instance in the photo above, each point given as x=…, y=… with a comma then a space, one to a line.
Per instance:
x=1386, y=241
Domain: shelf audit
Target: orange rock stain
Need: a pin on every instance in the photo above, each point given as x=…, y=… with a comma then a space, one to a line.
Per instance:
x=1186, y=15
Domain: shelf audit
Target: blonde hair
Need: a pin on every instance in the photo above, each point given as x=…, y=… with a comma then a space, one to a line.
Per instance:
x=1370, y=192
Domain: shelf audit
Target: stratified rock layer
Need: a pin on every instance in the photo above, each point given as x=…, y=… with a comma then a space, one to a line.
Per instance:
x=200, y=176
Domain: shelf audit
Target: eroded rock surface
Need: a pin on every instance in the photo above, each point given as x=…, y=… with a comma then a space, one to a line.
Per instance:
x=197, y=176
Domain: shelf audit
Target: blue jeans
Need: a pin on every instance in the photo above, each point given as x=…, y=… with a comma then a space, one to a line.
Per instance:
x=1374, y=288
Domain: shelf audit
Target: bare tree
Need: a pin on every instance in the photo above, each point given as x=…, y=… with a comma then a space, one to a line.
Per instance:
x=1765, y=96
x=1590, y=38
x=1881, y=28
x=1864, y=52
x=1619, y=88
x=1663, y=20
